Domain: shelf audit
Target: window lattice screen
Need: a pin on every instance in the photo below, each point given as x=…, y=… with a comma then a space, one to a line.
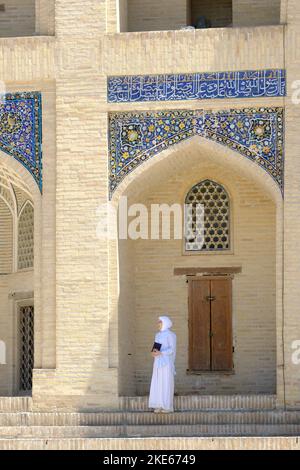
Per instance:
x=25, y=238
x=211, y=232
x=26, y=347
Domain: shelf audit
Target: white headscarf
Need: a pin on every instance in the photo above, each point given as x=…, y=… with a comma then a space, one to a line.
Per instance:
x=166, y=323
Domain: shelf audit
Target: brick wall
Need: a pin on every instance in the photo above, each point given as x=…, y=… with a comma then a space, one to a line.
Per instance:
x=256, y=12
x=18, y=19
x=71, y=270
x=45, y=17
x=157, y=291
x=155, y=15
x=292, y=202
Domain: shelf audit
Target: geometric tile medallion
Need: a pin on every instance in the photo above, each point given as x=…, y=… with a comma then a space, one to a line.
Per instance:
x=197, y=86
x=21, y=130
x=256, y=133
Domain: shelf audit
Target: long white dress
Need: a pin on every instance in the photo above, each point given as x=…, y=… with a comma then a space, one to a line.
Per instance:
x=162, y=383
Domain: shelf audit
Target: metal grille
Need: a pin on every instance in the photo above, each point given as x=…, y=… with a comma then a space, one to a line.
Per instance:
x=213, y=234
x=25, y=237
x=26, y=347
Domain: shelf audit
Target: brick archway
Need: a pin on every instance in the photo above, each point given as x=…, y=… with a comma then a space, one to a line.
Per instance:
x=201, y=154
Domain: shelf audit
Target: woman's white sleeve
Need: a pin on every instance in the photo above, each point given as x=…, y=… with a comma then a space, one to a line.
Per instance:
x=171, y=349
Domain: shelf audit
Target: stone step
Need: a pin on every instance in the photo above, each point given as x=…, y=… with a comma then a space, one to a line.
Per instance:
x=33, y=432
x=14, y=404
x=154, y=444
x=181, y=403
x=206, y=402
x=211, y=417
x=214, y=430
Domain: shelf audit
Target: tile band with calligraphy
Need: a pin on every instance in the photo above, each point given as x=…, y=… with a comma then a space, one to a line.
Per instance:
x=197, y=86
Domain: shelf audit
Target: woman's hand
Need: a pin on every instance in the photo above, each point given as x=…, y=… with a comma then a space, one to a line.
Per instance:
x=155, y=353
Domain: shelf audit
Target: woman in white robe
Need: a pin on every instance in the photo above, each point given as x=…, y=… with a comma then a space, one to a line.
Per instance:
x=162, y=383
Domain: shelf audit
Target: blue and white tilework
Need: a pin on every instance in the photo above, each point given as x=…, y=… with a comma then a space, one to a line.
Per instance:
x=197, y=86
x=21, y=130
x=255, y=133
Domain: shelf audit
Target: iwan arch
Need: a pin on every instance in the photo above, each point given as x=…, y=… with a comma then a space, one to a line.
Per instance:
x=146, y=282
x=95, y=301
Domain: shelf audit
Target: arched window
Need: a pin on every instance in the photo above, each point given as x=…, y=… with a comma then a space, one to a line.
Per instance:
x=25, y=237
x=207, y=218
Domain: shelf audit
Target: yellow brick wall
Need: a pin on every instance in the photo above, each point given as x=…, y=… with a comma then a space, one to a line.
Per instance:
x=45, y=17
x=155, y=15
x=256, y=12
x=86, y=334
x=18, y=19
x=157, y=291
x=72, y=291
x=123, y=15
x=292, y=200
x=208, y=50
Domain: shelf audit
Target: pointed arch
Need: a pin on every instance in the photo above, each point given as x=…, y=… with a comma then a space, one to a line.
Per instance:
x=215, y=152
x=257, y=134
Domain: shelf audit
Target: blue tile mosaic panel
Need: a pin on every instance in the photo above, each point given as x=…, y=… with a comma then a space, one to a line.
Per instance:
x=21, y=130
x=256, y=134
x=197, y=86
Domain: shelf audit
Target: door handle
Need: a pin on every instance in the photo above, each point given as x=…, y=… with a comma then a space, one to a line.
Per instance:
x=210, y=298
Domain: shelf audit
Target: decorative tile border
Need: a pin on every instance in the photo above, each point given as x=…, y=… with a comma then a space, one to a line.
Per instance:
x=197, y=86
x=255, y=133
x=21, y=130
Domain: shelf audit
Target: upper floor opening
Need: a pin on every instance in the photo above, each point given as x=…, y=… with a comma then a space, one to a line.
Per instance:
x=160, y=15
x=26, y=18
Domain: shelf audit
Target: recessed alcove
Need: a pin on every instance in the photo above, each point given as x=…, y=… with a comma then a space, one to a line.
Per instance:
x=19, y=18
x=168, y=15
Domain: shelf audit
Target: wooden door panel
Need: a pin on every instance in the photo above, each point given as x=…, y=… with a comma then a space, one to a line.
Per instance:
x=221, y=325
x=199, y=325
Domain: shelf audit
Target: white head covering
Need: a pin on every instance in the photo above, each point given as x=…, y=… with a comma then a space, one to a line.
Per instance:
x=166, y=323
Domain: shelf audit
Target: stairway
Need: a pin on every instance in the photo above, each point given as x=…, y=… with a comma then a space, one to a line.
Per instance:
x=195, y=417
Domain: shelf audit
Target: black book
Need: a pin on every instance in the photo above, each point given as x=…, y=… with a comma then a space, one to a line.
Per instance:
x=156, y=346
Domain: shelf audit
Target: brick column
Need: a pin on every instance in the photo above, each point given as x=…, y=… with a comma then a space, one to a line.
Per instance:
x=45, y=17
x=83, y=379
x=292, y=208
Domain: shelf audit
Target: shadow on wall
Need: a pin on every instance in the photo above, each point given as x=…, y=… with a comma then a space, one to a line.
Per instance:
x=142, y=15
x=27, y=18
x=2, y=353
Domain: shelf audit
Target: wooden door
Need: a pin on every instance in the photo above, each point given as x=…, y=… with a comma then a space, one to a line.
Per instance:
x=199, y=325
x=221, y=325
x=210, y=325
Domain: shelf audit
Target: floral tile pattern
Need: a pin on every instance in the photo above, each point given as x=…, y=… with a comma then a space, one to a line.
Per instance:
x=197, y=86
x=21, y=130
x=257, y=134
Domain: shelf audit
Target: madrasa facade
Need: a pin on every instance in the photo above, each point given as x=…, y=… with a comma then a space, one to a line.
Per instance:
x=142, y=104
